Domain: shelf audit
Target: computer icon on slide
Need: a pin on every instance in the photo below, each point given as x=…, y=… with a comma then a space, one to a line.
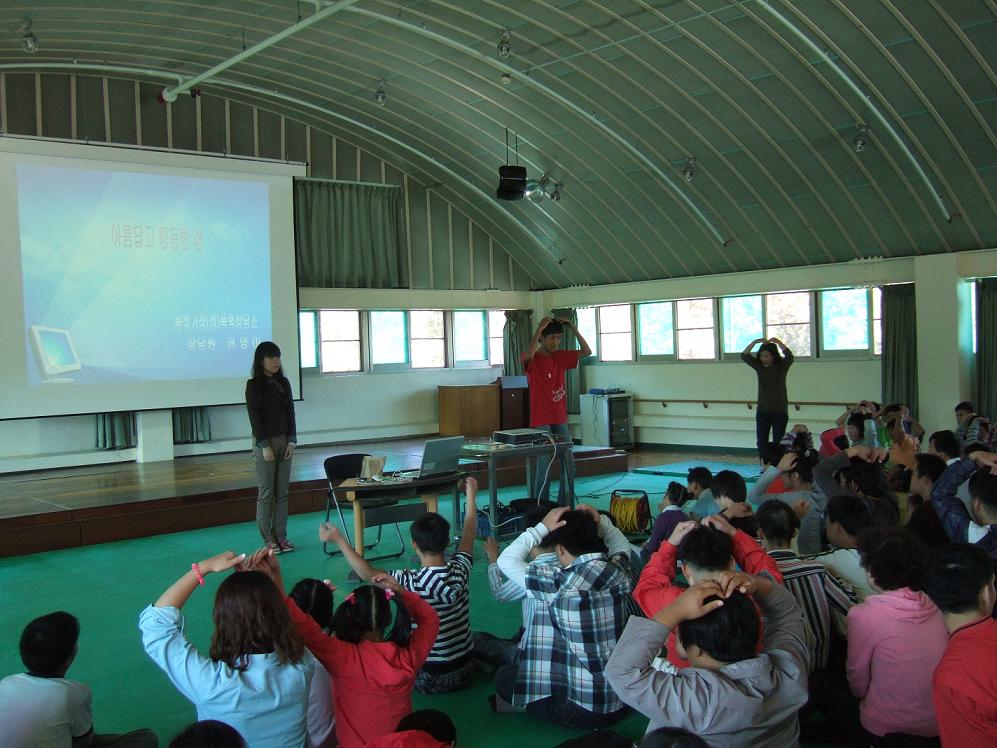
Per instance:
x=55, y=353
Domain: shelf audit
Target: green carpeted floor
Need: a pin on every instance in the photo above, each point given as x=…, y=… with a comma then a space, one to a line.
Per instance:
x=106, y=586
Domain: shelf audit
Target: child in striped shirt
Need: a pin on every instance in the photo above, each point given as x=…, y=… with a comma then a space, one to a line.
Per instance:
x=441, y=583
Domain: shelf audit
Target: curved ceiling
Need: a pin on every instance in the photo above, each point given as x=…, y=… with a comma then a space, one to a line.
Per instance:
x=610, y=98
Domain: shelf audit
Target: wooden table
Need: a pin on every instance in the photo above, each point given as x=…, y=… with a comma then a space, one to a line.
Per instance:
x=426, y=489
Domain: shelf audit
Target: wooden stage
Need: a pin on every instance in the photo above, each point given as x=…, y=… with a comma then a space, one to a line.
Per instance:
x=69, y=507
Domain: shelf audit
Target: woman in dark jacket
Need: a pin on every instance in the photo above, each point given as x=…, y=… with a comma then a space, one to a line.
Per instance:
x=271, y=415
x=772, y=412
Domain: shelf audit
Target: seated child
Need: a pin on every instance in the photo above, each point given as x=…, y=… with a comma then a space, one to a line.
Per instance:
x=729, y=489
x=896, y=637
x=818, y=593
x=796, y=470
x=257, y=673
x=698, y=483
x=978, y=523
x=314, y=597
x=923, y=519
x=732, y=694
x=670, y=515
x=579, y=607
x=373, y=657
x=42, y=707
x=706, y=551
x=960, y=581
x=441, y=583
x=845, y=517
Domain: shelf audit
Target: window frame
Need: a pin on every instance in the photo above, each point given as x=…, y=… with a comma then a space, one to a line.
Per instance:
x=866, y=353
x=595, y=356
x=715, y=302
x=362, y=331
x=450, y=333
x=597, y=353
x=489, y=337
x=651, y=358
x=393, y=367
x=447, y=338
x=317, y=369
x=736, y=355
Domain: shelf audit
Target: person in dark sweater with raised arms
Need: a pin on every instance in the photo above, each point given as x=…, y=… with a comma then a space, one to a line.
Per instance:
x=771, y=367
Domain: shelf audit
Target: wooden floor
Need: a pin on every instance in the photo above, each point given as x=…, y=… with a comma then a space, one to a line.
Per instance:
x=68, y=507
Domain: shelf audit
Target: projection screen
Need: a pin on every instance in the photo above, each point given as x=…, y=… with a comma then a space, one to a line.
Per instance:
x=137, y=279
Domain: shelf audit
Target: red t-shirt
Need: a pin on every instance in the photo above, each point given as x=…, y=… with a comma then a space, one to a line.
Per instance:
x=548, y=391
x=965, y=687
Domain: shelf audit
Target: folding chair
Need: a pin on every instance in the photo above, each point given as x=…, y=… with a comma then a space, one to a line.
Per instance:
x=342, y=467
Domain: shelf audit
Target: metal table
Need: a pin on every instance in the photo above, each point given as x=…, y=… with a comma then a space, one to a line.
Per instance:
x=494, y=453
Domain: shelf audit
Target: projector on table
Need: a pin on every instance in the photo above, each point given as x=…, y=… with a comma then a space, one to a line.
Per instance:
x=520, y=436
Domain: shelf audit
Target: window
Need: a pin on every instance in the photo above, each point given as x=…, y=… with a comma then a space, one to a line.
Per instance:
x=776, y=315
x=655, y=329
x=742, y=322
x=615, y=333
x=695, y=329
x=844, y=319
x=877, y=322
x=427, y=340
x=587, y=328
x=339, y=331
x=469, y=339
x=306, y=340
x=787, y=317
x=388, y=336
x=974, y=287
x=496, y=346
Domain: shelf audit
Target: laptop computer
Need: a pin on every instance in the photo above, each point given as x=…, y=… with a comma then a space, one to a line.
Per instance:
x=439, y=457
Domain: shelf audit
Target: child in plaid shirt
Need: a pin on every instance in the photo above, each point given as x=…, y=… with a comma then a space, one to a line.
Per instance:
x=582, y=607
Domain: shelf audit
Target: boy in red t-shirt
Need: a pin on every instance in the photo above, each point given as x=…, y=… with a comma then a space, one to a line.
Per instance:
x=545, y=365
x=959, y=579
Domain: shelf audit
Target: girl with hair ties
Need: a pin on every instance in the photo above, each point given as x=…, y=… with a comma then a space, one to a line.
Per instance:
x=374, y=655
x=257, y=672
x=771, y=365
x=271, y=416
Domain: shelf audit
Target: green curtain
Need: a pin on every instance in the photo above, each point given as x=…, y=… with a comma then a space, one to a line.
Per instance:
x=899, y=363
x=349, y=235
x=191, y=426
x=115, y=431
x=569, y=342
x=986, y=347
x=516, y=336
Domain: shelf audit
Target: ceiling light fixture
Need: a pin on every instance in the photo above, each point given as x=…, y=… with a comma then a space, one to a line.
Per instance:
x=29, y=42
x=379, y=96
x=861, y=140
x=536, y=189
x=544, y=188
x=690, y=169
x=505, y=44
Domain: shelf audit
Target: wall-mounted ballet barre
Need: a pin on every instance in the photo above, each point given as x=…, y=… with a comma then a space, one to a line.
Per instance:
x=749, y=405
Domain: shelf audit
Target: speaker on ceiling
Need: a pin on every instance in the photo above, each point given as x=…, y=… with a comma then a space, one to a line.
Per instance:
x=512, y=182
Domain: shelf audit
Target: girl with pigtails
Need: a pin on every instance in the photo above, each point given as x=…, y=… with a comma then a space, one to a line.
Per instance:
x=383, y=635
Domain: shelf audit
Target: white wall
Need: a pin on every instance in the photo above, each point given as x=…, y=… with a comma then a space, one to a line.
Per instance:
x=944, y=354
x=373, y=406
x=728, y=425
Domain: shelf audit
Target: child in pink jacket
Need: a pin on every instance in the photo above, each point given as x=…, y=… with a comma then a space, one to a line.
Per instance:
x=895, y=638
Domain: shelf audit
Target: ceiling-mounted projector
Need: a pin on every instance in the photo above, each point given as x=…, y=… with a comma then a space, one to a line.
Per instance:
x=512, y=182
